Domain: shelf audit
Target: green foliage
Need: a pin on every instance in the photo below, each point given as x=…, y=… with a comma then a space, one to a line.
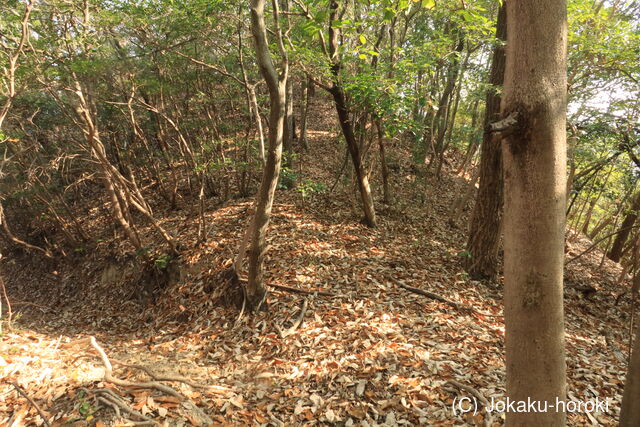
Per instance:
x=464, y=254
x=163, y=261
x=84, y=407
x=309, y=187
x=287, y=177
x=159, y=74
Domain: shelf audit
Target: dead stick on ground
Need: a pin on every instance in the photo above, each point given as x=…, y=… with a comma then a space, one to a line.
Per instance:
x=429, y=295
x=35, y=405
x=444, y=300
x=488, y=419
x=301, y=291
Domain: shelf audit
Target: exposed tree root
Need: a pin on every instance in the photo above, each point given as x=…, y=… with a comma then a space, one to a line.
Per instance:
x=115, y=400
x=157, y=377
x=109, y=398
x=297, y=323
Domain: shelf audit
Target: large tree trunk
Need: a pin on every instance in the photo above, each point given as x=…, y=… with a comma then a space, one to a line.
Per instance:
x=630, y=415
x=484, y=230
x=625, y=229
x=255, y=291
x=534, y=154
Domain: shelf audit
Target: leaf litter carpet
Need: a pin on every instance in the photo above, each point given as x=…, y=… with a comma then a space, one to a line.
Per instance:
x=372, y=353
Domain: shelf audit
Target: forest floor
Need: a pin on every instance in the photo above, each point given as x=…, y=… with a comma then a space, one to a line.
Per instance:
x=372, y=353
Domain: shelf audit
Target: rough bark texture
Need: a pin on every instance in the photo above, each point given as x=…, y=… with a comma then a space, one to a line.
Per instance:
x=255, y=291
x=484, y=230
x=615, y=254
x=534, y=155
x=630, y=414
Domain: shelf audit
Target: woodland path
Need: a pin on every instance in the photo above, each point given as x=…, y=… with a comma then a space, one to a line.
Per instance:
x=373, y=353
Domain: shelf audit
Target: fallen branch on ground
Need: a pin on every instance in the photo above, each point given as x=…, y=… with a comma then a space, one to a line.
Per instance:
x=444, y=300
x=429, y=295
x=34, y=404
x=301, y=291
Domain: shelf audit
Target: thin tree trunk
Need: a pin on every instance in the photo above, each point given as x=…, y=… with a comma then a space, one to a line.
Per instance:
x=451, y=117
x=534, y=154
x=473, y=144
x=572, y=141
x=587, y=220
x=443, y=112
x=625, y=229
x=255, y=291
x=356, y=158
x=484, y=231
x=289, y=133
x=306, y=99
x=289, y=129
x=573, y=222
x=457, y=207
x=613, y=218
x=386, y=194
x=346, y=124
x=598, y=228
x=594, y=202
x=250, y=93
